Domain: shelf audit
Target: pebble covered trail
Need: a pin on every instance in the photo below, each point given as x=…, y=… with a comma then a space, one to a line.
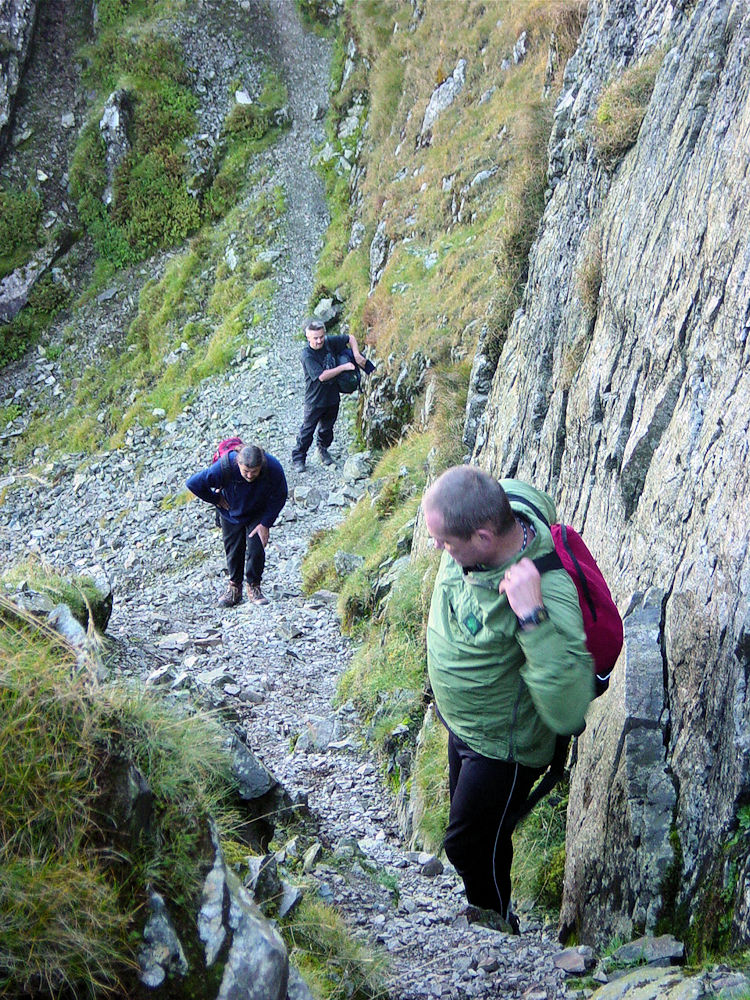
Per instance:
x=279, y=663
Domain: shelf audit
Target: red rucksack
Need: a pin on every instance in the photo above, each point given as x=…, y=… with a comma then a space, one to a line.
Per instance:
x=601, y=619
x=222, y=452
x=601, y=622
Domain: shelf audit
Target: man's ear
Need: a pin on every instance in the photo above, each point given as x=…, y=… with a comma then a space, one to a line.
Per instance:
x=485, y=535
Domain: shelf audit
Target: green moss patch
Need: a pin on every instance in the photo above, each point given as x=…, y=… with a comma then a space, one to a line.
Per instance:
x=19, y=220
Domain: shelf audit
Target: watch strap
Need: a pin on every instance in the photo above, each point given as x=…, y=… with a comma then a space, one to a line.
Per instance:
x=537, y=616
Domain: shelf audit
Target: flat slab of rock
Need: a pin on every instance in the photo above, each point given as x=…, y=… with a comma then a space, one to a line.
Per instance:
x=575, y=961
x=175, y=640
x=664, y=950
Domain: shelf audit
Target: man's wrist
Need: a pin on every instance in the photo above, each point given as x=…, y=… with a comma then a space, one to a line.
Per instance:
x=537, y=616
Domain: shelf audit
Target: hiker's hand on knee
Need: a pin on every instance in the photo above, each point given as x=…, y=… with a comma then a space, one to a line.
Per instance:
x=522, y=585
x=262, y=532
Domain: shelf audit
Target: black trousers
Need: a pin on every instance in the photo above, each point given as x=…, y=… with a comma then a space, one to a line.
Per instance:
x=243, y=552
x=322, y=417
x=485, y=795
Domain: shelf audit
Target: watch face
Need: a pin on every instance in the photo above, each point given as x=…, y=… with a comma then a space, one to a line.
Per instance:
x=537, y=616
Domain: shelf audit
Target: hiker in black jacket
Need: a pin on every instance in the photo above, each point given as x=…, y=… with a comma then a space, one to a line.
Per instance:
x=248, y=495
x=321, y=391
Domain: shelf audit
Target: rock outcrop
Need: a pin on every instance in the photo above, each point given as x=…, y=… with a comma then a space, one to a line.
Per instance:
x=637, y=419
x=16, y=287
x=113, y=126
x=442, y=98
x=388, y=403
x=620, y=842
x=17, y=19
x=233, y=944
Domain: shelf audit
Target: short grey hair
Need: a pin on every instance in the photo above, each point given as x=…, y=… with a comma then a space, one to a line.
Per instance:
x=314, y=324
x=468, y=499
x=252, y=456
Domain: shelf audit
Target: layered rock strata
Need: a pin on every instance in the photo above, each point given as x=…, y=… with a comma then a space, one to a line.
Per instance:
x=17, y=19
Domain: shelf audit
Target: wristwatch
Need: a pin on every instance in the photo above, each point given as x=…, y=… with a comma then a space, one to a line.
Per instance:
x=537, y=616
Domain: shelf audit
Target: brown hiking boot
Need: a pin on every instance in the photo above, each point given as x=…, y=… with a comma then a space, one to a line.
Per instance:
x=232, y=597
x=255, y=595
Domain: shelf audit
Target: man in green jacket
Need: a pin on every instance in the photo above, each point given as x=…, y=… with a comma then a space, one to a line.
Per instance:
x=507, y=662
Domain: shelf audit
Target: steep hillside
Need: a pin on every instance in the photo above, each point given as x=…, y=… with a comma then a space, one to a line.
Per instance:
x=437, y=162
x=540, y=230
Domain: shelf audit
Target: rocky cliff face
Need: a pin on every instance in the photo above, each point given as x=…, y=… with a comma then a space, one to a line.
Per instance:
x=17, y=19
x=637, y=421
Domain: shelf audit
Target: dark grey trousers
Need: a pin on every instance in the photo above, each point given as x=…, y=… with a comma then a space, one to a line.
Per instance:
x=322, y=417
x=243, y=552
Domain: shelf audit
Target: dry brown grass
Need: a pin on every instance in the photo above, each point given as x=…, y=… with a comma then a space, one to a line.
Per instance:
x=482, y=257
x=590, y=272
x=622, y=108
x=572, y=359
x=376, y=317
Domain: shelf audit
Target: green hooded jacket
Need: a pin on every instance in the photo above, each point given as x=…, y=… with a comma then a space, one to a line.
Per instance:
x=505, y=692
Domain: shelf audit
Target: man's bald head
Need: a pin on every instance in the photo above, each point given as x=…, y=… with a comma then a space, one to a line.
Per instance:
x=468, y=499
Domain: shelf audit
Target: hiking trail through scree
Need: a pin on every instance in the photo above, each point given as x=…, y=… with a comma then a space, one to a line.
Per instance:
x=167, y=567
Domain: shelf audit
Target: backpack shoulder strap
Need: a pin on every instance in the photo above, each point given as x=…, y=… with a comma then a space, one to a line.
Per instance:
x=551, y=560
x=585, y=589
x=517, y=498
x=226, y=470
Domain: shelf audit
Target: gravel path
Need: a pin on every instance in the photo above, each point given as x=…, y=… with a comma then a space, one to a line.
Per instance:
x=282, y=661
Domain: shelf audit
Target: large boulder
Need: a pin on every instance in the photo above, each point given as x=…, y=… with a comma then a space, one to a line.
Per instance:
x=261, y=797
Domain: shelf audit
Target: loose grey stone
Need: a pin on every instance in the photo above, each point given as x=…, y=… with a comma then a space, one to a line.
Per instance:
x=162, y=952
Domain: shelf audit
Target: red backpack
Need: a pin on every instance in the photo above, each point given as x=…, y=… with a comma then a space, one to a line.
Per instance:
x=601, y=622
x=601, y=619
x=222, y=452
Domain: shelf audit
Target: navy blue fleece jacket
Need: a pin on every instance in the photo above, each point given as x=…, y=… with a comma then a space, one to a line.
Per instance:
x=253, y=503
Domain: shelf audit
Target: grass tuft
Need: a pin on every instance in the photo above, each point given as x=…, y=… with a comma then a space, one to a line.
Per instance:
x=590, y=272
x=80, y=593
x=336, y=966
x=539, y=852
x=70, y=894
x=622, y=108
x=429, y=792
x=19, y=219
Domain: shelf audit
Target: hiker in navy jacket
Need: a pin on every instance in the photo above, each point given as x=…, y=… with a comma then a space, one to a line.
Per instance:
x=248, y=497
